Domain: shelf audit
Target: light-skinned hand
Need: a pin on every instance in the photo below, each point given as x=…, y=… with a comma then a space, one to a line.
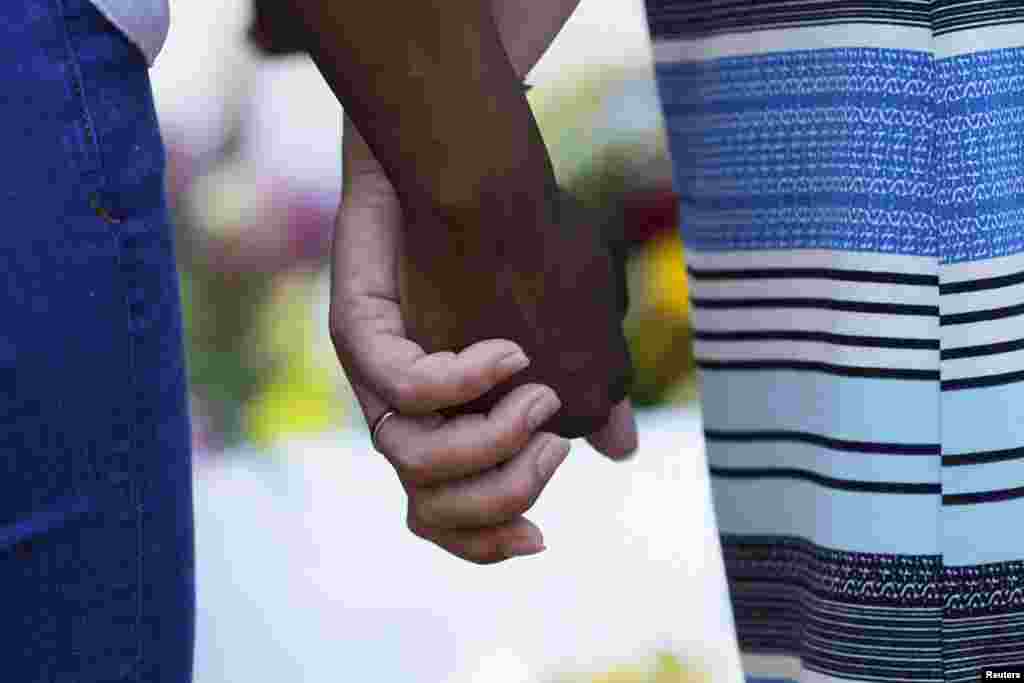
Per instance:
x=468, y=480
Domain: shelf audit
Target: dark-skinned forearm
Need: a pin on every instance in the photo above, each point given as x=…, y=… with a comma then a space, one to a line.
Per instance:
x=436, y=98
x=491, y=248
x=527, y=28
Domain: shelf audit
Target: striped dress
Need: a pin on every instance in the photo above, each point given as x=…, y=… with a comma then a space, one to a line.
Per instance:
x=851, y=178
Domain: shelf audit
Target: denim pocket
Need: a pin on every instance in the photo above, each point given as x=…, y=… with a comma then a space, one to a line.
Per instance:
x=18, y=537
x=71, y=493
x=117, y=134
x=72, y=592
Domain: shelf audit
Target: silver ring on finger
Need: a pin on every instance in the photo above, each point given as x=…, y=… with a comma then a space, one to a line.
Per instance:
x=375, y=430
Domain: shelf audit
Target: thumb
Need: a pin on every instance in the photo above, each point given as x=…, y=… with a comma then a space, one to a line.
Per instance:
x=618, y=438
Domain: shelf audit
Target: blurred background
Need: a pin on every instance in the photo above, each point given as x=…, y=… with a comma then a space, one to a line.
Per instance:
x=306, y=571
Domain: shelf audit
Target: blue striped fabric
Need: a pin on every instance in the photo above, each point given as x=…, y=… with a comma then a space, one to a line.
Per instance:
x=852, y=212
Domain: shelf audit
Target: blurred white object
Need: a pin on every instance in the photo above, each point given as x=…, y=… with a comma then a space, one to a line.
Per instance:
x=502, y=666
x=307, y=572
x=292, y=125
x=202, y=72
x=598, y=32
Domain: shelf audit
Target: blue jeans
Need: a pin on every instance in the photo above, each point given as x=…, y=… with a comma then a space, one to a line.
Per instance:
x=96, y=526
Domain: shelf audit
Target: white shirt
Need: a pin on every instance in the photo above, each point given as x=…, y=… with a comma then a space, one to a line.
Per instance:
x=145, y=22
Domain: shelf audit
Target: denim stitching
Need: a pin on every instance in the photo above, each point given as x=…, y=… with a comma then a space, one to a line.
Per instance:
x=125, y=267
x=100, y=210
x=78, y=83
x=133, y=485
x=137, y=500
x=90, y=128
x=96, y=168
x=133, y=329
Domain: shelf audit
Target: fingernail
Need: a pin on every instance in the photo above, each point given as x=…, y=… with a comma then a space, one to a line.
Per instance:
x=543, y=407
x=624, y=443
x=514, y=362
x=532, y=544
x=552, y=456
x=622, y=452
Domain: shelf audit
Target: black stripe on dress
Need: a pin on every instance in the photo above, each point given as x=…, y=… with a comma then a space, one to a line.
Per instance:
x=670, y=19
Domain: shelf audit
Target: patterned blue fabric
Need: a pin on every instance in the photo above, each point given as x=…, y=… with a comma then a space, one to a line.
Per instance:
x=851, y=215
x=979, y=99
x=879, y=153
x=96, y=529
x=805, y=149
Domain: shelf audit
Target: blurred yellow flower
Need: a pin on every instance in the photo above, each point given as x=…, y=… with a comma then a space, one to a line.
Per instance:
x=301, y=397
x=299, y=402
x=622, y=674
x=667, y=668
x=665, y=266
x=670, y=670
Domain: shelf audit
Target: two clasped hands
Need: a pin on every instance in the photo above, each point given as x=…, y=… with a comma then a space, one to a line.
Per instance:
x=469, y=479
x=452, y=240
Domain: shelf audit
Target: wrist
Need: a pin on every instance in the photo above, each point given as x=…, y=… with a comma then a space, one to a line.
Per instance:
x=357, y=155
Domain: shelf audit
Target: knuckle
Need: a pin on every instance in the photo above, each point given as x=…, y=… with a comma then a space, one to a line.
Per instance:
x=490, y=553
x=515, y=502
x=413, y=468
x=417, y=531
x=415, y=526
x=508, y=440
x=424, y=512
x=467, y=385
x=402, y=393
x=511, y=436
x=491, y=557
